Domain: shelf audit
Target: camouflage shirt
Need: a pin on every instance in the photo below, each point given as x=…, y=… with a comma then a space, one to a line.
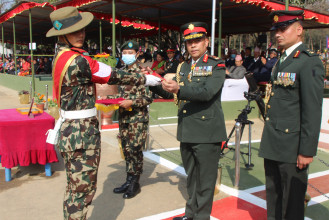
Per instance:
x=78, y=93
x=141, y=97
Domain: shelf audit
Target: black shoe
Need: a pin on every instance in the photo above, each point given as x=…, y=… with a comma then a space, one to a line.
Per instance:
x=124, y=187
x=182, y=218
x=133, y=189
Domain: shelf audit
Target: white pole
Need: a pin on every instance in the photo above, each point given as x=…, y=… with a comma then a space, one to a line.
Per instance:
x=213, y=21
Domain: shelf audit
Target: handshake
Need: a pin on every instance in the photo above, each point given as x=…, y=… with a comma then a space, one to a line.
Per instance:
x=154, y=79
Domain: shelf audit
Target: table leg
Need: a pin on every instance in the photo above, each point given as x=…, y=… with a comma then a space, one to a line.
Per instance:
x=8, y=174
x=48, y=169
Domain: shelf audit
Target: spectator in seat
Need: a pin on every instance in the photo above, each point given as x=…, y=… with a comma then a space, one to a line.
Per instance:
x=237, y=71
x=159, y=64
x=47, y=65
x=247, y=59
x=264, y=74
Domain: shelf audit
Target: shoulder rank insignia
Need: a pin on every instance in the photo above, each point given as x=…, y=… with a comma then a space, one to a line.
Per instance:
x=297, y=54
x=205, y=58
x=221, y=65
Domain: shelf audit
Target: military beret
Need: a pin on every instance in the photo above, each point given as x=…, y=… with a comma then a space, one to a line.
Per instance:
x=284, y=18
x=130, y=45
x=194, y=30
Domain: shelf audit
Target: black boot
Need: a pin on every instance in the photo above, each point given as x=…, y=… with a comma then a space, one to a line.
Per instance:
x=124, y=187
x=133, y=189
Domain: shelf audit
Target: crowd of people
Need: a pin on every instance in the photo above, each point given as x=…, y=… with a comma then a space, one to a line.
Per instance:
x=42, y=65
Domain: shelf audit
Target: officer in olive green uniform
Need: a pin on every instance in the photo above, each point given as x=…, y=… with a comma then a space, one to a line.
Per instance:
x=133, y=122
x=201, y=126
x=293, y=120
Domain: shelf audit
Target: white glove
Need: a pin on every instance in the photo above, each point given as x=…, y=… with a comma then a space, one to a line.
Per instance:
x=152, y=80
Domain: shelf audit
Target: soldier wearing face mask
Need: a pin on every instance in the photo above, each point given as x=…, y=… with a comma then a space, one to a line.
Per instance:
x=133, y=122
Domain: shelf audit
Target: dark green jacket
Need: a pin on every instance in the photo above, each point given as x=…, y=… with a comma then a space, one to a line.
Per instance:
x=293, y=122
x=200, y=114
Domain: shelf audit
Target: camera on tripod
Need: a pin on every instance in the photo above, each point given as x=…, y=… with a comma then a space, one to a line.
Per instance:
x=254, y=94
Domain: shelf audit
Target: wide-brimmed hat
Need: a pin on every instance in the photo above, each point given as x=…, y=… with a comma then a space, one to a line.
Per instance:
x=68, y=20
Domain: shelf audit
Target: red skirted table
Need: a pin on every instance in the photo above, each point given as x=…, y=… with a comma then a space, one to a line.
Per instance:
x=23, y=140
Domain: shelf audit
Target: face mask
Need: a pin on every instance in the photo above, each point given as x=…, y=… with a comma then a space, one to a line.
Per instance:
x=233, y=56
x=128, y=58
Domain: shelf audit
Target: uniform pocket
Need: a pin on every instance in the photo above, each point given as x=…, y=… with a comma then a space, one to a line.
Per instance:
x=288, y=126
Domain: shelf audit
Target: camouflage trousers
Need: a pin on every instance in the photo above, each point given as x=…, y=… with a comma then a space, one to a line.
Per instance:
x=81, y=172
x=133, y=139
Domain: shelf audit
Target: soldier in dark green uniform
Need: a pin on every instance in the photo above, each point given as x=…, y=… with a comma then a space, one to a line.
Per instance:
x=74, y=74
x=293, y=120
x=133, y=122
x=201, y=126
x=171, y=63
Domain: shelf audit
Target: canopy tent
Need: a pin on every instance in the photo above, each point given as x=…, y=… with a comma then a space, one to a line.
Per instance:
x=239, y=16
x=141, y=18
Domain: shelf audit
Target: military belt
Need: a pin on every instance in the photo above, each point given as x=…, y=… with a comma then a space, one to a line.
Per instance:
x=79, y=114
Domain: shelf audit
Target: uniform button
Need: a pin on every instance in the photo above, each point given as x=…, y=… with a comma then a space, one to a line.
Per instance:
x=203, y=117
x=272, y=93
x=184, y=101
x=198, y=79
x=287, y=130
x=268, y=106
x=267, y=118
x=184, y=111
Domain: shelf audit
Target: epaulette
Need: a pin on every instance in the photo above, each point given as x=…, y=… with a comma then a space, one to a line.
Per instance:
x=81, y=51
x=310, y=53
x=214, y=57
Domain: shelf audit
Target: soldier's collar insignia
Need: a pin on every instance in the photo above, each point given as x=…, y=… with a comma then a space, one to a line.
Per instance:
x=130, y=44
x=297, y=54
x=205, y=58
x=57, y=25
x=276, y=18
x=191, y=27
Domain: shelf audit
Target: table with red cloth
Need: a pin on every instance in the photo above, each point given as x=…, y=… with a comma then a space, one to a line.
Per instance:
x=23, y=140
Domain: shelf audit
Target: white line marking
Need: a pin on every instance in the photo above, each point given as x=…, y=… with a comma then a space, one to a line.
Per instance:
x=165, y=163
x=318, y=174
x=318, y=199
x=255, y=189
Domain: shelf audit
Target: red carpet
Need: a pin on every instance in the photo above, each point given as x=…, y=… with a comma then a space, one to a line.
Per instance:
x=232, y=208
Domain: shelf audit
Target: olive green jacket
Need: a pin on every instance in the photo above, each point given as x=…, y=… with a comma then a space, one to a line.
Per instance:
x=200, y=114
x=293, y=121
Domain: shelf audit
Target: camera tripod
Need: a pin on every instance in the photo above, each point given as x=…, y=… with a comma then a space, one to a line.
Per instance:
x=239, y=126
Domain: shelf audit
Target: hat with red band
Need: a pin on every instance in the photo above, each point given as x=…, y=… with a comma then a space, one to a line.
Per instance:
x=172, y=50
x=194, y=30
x=282, y=18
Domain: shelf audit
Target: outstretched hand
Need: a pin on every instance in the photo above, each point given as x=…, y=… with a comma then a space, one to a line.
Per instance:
x=170, y=86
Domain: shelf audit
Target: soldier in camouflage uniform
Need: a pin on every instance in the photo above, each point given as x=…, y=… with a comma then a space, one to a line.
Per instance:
x=133, y=123
x=79, y=138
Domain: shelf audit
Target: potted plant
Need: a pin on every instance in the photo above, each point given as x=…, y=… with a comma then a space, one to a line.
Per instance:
x=24, y=97
x=39, y=101
x=53, y=108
